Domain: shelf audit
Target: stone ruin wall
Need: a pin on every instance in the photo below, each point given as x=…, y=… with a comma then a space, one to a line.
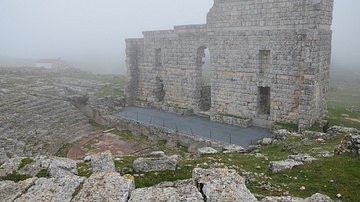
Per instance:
x=269, y=59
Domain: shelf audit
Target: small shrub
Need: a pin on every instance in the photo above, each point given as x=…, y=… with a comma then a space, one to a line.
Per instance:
x=42, y=173
x=15, y=177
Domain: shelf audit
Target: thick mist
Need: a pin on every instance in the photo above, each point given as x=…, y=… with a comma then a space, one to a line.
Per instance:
x=90, y=34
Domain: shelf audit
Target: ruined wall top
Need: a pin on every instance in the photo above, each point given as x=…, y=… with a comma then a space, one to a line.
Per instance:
x=276, y=14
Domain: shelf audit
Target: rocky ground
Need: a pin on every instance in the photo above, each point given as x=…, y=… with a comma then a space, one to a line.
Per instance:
x=36, y=117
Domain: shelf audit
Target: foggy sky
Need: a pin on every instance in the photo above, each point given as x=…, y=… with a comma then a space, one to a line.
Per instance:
x=96, y=29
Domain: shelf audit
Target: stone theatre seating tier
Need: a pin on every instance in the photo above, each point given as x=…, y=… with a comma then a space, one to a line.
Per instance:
x=269, y=63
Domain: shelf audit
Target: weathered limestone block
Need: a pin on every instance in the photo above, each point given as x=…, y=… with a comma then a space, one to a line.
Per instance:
x=221, y=185
x=182, y=190
x=53, y=189
x=38, y=163
x=277, y=166
x=155, y=164
x=10, y=190
x=231, y=148
x=154, y=194
x=61, y=167
x=106, y=186
x=206, y=150
x=3, y=157
x=102, y=162
x=305, y=158
x=10, y=166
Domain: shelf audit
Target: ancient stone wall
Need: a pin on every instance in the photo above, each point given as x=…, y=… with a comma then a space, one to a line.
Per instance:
x=269, y=60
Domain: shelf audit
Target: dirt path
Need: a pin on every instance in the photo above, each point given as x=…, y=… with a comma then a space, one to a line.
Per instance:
x=100, y=142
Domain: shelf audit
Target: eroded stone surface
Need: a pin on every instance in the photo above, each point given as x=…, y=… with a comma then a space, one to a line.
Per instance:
x=155, y=164
x=105, y=186
x=102, y=162
x=61, y=167
x=10, y=190
x=53, y=189
x=206, y=150
x=277, y=166
x=221, y=185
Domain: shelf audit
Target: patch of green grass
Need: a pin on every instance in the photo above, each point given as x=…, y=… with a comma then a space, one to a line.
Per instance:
x=9, y=154
x=125, y=165
x=89, y=145
x=335, y=117
x=62, y=152
x=15, y=177
x=84, y=169
x=330, y=176
x=25, y=162
x=42, y=173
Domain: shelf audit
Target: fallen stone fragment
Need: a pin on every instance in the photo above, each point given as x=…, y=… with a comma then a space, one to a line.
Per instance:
x=106, y=186
x=102, y=162
x=206, y=150
x=155, y=164
x=314, y=198
x=221, y=185
x=277, y=166
x=182, y=190
x=53, y=189
x=10, y=190
x=61, y=167
x=231, y=148
x=305, y=158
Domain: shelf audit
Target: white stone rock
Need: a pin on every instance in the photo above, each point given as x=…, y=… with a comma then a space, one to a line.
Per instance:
x=305, y=158
x=221, y=185
x=60, y=167
x=206, y=150
x=231, y=148
x=10, y=190
x=102, y=162
x=53, y=189
x=106, y=186
x=277, y=166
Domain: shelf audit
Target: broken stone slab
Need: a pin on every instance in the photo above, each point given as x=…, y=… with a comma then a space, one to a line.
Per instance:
x=232, y=148
x=266, y=141
x=60, y=167
x=155, y=194
x=155, y=164
x=181, y=190
x=305, y=158
x=39, y=163
x=277, y=166
x=106, y=186
x=53, y=189
x=3, y=157
x=10, y=166
x=206, y=150
x=10, y=190
x=102, y=162
x=185, y=188
x=221, y=185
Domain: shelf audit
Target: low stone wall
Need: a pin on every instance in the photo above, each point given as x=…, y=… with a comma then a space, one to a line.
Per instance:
x=232, y=120
x=176, y=110
x=158, y=133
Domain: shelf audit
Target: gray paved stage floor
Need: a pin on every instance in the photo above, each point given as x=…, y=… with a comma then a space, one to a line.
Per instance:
x=197, y=125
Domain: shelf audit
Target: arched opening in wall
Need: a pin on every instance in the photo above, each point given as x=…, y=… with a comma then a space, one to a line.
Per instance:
x=204, y=68
x=159, y=89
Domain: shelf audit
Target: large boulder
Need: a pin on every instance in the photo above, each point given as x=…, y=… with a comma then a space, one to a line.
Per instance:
x=53, y=189
x=106, y=186
x=155, y=164
x=60, y=167
x=221, y=185
x=10, y=190
x=102, y=162
x=3, y=157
